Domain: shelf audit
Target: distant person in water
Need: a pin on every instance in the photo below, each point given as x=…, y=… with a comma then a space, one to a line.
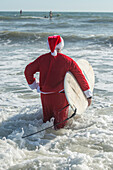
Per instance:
x=50, y=14
x=52, y=67
x=45, y=17
x=20, y=12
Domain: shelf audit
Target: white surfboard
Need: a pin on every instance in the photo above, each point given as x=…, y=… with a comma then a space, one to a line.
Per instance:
x=73, y=92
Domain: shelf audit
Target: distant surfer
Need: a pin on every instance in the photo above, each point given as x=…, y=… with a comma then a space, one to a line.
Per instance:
x=45, y=17
x=50, y=14
x=52, y=67
x=20, y=12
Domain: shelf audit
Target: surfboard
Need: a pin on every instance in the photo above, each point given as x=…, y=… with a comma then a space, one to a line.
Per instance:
x=73, y=92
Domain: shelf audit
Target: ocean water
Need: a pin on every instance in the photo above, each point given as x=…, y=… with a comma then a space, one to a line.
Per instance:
x=86, y=143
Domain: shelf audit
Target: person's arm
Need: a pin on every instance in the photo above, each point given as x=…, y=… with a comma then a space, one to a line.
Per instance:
x=75, y=69
x=29, y=72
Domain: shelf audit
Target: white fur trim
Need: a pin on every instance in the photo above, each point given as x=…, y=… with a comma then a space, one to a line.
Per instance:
x=34, y=85
x=61, y=44
x=88, y=93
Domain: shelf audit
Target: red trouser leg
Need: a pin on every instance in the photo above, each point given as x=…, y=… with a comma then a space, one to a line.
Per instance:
x=52, y=104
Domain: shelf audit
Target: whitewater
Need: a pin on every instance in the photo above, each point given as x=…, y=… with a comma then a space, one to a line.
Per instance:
x=86, y=143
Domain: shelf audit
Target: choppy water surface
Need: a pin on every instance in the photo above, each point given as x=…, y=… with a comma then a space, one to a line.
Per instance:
x=87, y=140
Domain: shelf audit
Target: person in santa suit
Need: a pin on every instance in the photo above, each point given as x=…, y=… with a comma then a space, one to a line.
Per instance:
x=52, y=68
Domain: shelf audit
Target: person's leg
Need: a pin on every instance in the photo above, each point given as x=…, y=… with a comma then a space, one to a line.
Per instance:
x=60, y=116
x=47, y=110
x=52, y=104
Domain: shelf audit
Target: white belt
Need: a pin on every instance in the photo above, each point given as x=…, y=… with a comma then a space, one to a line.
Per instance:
x=39, y=91
x=35, y=85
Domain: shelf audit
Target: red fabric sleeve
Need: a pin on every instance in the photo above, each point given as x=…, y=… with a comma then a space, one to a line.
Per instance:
x=77, y=72
x=30, y=70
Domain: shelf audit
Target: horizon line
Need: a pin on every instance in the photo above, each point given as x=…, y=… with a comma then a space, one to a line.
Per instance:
x=55, y=11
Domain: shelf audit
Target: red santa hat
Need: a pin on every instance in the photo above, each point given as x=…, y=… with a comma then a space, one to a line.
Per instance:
x=55, y=42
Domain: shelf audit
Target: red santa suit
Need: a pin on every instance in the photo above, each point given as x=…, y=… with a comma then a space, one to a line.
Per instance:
x=52, y=68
